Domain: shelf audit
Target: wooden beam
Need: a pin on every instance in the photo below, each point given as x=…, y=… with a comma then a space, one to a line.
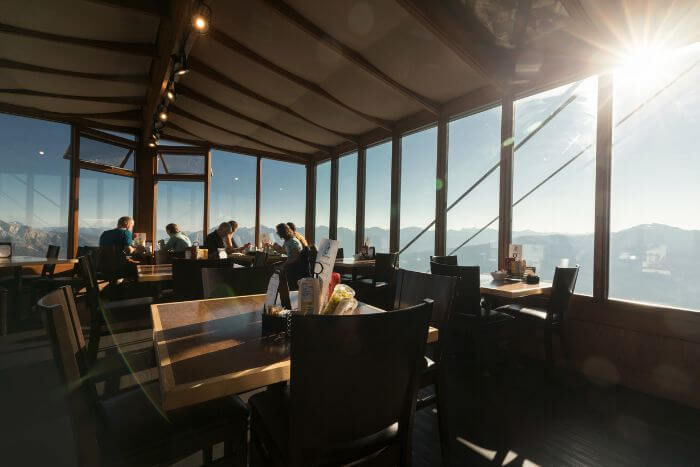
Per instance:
x=203, y=69
x=238, y=149
x=437, y=19
x=303, y=23
x=107, y=137
x=148, y=7
x=145, y=190
x=120, y=78
x=333, y=217
x=127, y=100
x=74, y=197
x=207, y=194
x=172, y=35
x=241, y=49
x=201, y=98
x=310, y=218
x=395, y=215
x=601, y=256
x=258, y=199
x=181, y=177
x=87, y=165
x=194, y=118
x=126, y=115
x=129, y=48
x=441, y=188
x=505, y=209
x=361, y=197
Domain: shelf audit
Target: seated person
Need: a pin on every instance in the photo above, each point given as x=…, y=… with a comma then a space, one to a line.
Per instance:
x=222, y=237
x=236, y=247
x=298, y=236
x=121, y=237
x=178, y=241
x=291, y=246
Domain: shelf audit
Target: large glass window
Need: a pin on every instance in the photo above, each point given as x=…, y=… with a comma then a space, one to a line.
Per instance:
x=378, y=196
x=323, y=199
x=181, y=203
x=655, y=214
x=104, y=198
x=554, y=179
x=232, y=193
x=190, y=164
x=34, y=184
x=347, y=202
x=418, y=184
x=103, y=153
x=283, y=196
x=473, y=158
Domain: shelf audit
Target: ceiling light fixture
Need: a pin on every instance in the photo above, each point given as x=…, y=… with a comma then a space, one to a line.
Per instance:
x=201, y=20
x=180, y=64
x=163, y=115
x=152, y=144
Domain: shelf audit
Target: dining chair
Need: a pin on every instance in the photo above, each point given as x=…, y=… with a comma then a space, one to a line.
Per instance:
x=187, y=276
x=131, y=428
x=352, y=391
x=488, y=330
x=260, y=259
x=451, y=260
x=233, y=282
x=551, y=317
x=377, y=289
x=412, y=288
x=110, y=317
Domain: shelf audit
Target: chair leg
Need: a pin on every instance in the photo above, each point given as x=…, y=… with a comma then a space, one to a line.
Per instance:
x=566, y=346
x=548, y=346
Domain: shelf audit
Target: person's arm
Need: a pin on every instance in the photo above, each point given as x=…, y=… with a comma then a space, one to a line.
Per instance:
x=228, y=243
x=129, y=240
x=277, y=247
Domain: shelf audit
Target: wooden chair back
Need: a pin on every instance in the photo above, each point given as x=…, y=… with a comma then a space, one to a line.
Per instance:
x=187, y=276
x=563, y=286
x=112, y=263
x=225, y=282
x=413, y=287
x=51, y=253
x=385, y=267
x=68, y=351
x=451, y=260
x=468, y=297
x=353, y=376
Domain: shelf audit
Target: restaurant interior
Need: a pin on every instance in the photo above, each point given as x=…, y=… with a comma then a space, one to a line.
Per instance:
x=349, y=232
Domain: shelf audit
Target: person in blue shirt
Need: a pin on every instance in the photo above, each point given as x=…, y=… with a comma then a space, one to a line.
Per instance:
x=121, y=237
x=178, y=242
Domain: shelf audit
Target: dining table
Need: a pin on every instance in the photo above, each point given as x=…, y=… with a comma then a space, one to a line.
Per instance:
x=164, y=272
x=207, y=349
x=354, y=266
x=512, y=288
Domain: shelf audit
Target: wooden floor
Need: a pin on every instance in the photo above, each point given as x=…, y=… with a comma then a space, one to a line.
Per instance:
x=523, y=422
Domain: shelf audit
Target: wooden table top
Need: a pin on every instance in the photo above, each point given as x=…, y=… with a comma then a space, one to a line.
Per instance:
x=208, y=349
x=349, y=264
x=18, y=261
x=512, y=288
x=154, y=272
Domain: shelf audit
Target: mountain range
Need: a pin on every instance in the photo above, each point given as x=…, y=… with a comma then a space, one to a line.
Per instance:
x=653, y=263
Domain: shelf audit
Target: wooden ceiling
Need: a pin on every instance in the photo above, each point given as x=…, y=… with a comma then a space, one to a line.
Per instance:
x=307, y=79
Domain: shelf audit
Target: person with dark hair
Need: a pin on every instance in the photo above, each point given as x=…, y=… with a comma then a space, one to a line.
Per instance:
x=121, y=237
x=222, y=237
x=178, y=242
x=298, y=236
x=291, y=246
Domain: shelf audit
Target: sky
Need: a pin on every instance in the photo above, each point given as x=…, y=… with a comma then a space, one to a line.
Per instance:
x=655, y=168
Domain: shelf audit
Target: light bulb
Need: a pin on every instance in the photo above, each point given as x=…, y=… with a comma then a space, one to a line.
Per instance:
x=163, y=116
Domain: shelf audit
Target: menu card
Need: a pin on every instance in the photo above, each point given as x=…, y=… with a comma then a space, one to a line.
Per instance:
x=327, y=250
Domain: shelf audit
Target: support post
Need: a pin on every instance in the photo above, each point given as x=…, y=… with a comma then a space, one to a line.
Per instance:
x=361, y=194
x=441, y=188
x=258, y=192
x=310, y=218
x=395, y=219
x=601, y=255
x=74, y=195
x=505, y=210
x=146, y=189
x=333, y=222
x=207, y=193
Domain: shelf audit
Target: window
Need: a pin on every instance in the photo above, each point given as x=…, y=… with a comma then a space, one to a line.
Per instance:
x=472, y=224
x=189, y=164
x=283, y=196
x=418, y=166
x=34, y=184
x=323, y=199
x=347, y=202
x=232, y=193
x=655, y=215
x=181, y=203
x=378, y=196
x=104, y=198
x=107, y=154
x=554, y=180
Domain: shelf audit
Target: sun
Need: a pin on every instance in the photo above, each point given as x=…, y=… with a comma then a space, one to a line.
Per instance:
x=641, y=66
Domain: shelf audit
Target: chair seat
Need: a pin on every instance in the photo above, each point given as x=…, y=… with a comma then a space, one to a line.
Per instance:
x=134, y=426
x=495, y=316
x=270, y=420
x=523, y=312
x=368, y=282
